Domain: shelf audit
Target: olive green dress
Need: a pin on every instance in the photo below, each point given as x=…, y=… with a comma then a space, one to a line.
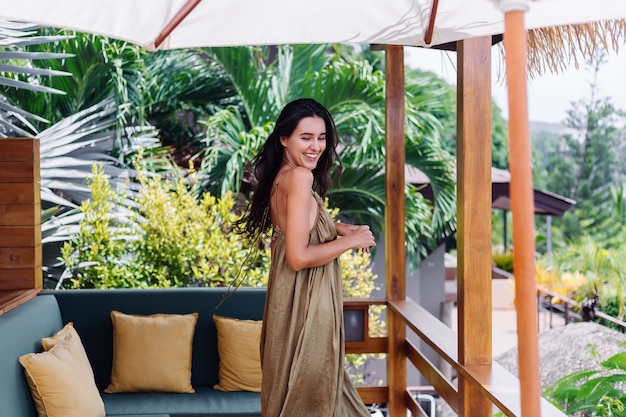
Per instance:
x=302, y=342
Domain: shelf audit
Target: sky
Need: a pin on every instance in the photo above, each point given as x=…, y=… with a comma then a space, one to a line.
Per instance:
x=549, y=96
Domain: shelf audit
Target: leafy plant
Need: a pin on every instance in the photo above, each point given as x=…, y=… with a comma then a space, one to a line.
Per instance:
x=601, y=268
x=591, y=393
x=503, y=259
x=164, y=237
x=96, y=256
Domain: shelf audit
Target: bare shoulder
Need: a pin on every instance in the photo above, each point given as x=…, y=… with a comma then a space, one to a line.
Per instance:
x=298, y=178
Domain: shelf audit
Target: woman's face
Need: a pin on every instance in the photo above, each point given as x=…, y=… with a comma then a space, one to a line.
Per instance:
x=306, y=143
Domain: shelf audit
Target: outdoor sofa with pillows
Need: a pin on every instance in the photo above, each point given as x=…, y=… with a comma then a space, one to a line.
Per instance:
x=132, y=352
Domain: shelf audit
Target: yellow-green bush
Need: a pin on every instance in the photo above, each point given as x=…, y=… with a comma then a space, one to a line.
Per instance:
x=172, y=240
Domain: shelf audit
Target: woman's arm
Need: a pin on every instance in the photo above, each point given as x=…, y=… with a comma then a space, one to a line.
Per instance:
x=296, y=186
x=344, y=229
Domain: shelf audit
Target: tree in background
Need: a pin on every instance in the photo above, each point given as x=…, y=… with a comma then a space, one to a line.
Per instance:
x=584, y=165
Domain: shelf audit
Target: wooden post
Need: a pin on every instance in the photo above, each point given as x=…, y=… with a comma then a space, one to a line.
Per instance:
x=522, y=211
x=20, y=215
x=395, y=250
x=474, y=215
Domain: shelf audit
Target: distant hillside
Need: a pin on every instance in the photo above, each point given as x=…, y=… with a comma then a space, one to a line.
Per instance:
x=555, y=128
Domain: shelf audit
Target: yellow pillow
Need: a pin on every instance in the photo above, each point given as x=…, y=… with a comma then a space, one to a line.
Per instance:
x=61, y=380
x=152, y=353
x=238, y=346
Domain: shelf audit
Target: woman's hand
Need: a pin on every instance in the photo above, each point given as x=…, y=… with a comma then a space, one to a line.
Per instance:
x=362, y=237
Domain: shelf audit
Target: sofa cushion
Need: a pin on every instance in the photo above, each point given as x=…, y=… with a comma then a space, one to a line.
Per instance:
x=61, y=380
x=238, y=344
x=205, y=402
x=152, y=353
x=21, y=330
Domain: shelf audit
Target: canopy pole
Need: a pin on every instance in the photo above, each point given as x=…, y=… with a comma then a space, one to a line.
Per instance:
x=172, y=24
x=515, y=44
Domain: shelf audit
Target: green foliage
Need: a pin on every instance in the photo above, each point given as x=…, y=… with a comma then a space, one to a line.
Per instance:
x=172, y=240
x=602, y=268
x=96, y=257
x=584, y=165
x=186, y=242
x=592, y=393
x=503, y=259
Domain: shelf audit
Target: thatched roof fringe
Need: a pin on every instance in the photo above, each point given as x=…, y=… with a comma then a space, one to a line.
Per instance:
x=554, y=49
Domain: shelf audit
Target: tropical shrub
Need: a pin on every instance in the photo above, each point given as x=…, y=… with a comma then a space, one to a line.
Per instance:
x=592, y=393
x=96, y=256
x=165, y=238
x=503, y=259
x=596, y=272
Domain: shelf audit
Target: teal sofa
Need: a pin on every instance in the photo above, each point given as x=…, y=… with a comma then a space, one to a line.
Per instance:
x=21, y=330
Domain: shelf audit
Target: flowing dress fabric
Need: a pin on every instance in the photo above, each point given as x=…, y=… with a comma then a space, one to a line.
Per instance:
x=302, y=341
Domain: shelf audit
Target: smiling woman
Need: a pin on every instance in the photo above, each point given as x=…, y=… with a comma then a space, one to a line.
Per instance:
x=302, y=339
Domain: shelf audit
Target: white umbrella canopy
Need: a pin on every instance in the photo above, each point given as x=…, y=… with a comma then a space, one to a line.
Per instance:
x=253, y=22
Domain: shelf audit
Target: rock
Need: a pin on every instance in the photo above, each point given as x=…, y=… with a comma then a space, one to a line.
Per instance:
x=566, y=349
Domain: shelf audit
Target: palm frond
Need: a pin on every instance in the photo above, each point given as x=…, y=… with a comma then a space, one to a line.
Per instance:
x=14, y=37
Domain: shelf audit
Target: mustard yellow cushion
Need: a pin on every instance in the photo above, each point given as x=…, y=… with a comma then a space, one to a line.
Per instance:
x=238, y=347
x=61, y=380
x=152, y=353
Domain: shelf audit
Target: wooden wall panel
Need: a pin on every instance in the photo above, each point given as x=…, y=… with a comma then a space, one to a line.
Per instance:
x=20, y=215
x=22, y=171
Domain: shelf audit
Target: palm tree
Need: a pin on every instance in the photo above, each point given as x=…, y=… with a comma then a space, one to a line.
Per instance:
x=266, y=78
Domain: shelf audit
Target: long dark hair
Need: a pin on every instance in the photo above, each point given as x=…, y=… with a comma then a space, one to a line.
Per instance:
x=267, y=163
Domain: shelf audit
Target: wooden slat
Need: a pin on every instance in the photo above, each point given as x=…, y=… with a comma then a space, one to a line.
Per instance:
x=21, y=279
x=374, y=395
x=444, y=388
x=372, y=345
x=363, y=303
x=413, y=406
x=11, y=299
x=20, y=258
x=395, y=265
x=21, y=149
x=431, y=330
x=19, y=214
x=20, y=236
x=18, y=171
x=17, y=193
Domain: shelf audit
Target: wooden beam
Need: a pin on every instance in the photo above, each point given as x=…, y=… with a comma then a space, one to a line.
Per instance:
x=395, y=265
x=373, y=395
x=474, y=216
x=11, y=299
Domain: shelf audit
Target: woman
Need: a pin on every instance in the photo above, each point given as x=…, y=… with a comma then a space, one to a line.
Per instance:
x=302, y=341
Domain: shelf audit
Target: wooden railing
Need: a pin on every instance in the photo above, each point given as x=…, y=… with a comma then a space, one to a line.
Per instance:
x=569, y=309
x=492, y=382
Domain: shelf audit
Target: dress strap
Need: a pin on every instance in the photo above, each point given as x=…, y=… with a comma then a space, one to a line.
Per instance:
x=273, y=192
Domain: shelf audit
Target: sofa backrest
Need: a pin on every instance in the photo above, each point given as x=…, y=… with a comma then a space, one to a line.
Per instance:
x=90, y=310
x=21, y=331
